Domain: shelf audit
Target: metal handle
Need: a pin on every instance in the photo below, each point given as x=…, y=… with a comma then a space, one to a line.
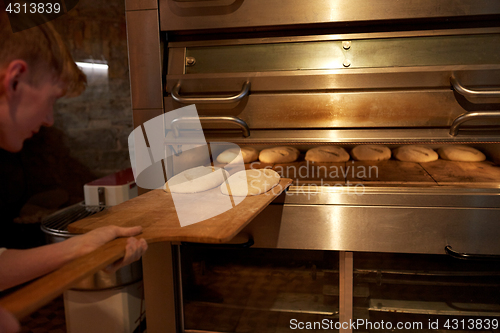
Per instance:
x=466, y=92
x=193, y=100
x=215, y=119
x=478, y=115
x=244, y=245
x=466, y=256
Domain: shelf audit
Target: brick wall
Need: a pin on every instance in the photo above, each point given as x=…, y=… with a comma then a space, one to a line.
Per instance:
x=89, y=136
x=96, y=124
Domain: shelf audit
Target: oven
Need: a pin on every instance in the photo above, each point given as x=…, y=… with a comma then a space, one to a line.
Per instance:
x=387, y=241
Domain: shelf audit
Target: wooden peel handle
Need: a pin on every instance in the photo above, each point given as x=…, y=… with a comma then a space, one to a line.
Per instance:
x=36, y=294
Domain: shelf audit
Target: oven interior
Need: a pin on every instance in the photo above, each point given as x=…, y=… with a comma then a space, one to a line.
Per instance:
x=264, y=290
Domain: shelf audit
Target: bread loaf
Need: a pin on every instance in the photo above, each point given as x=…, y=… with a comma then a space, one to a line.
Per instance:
x=461, y=153
x=327, y=154
x=371, y=153
x=279, y=155
x=414, y=153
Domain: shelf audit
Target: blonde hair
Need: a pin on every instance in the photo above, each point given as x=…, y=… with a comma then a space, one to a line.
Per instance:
x=43, y=49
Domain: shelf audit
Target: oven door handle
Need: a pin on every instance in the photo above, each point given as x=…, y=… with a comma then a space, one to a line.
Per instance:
x=466, y=92
x=244, y=245
x=468, y=116
x=206, y=100
x=466, y=256
x=211, y=119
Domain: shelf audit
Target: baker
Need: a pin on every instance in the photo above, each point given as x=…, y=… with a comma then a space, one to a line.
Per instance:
x=35, y=70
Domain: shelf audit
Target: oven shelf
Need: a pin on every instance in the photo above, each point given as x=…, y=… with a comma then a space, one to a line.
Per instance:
x=389, y=173
x=312, y=304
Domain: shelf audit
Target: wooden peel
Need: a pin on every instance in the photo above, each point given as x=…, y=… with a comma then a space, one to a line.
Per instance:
x=155, y=212
x=24, y=301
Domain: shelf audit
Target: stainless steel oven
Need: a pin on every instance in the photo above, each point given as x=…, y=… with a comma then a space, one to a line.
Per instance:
x=340, y=245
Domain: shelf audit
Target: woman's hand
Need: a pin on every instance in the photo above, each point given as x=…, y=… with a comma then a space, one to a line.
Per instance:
x=92, y=240
x=19, y=266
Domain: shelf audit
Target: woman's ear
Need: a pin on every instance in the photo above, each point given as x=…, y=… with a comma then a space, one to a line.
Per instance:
x=16, y=71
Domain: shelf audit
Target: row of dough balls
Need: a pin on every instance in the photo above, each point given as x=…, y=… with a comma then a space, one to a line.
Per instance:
x=408, y=153
x=451, y=153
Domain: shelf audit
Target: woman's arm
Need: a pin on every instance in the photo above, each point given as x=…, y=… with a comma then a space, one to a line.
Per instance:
x=19, y=266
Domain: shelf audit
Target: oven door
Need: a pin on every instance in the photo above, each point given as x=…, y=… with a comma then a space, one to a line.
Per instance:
x=431, y=84
x=199, y=15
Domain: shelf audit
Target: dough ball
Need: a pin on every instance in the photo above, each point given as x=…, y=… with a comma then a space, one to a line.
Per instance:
x=461, y=153
x=195, y=180
x=415, y=154
x=251, y=182
x=249, y=155
x=279, y=155
x=327, y=154
x=371, y=153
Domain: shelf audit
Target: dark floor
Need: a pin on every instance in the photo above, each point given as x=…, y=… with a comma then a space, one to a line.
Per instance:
x=49, y=319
